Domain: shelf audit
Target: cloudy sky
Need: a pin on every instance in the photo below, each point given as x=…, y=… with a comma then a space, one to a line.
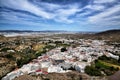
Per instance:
x=69, y=15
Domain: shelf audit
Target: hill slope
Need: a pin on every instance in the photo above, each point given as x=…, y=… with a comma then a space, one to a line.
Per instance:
x=112, y=35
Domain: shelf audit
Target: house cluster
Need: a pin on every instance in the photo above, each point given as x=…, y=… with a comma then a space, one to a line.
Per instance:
x=60, y=62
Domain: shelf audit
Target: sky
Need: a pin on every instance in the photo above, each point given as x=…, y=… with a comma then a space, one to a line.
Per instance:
x=67, y=15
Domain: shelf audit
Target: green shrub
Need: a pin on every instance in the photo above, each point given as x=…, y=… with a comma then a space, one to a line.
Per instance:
x=63, y=49
x=90, y=70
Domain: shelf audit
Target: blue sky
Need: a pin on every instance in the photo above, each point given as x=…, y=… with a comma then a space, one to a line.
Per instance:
x=69, y=15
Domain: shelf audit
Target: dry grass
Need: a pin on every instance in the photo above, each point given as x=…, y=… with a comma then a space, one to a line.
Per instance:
x=109, y=64
x=37, y=47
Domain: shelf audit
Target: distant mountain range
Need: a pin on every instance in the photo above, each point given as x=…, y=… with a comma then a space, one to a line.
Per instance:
x=113, y=35
x=116, y=31
x=32, y=31
x=103, y=32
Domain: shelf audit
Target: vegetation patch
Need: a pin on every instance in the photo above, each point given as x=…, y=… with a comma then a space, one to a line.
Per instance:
x=100, y=67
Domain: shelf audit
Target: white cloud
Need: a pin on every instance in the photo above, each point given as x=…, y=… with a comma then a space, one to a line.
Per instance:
x=107, y=13
x=64, y=20
x=26, y=6
x=109, y=17
x=18, y=17
x=66, y=12
x=112, y=18
x=84, y=14
x=95, y=7
x=104, y=1
x=61, y=14
x=49, y=6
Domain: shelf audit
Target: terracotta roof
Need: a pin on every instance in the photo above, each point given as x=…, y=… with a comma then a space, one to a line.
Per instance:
x=38, y=70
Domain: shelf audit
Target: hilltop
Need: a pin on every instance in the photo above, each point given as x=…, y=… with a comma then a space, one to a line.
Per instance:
x=108, y=32
x=112, y=35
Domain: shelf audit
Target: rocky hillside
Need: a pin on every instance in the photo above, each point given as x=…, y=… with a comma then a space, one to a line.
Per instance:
x=59, y=76
x=112, y=35
x=109, y=32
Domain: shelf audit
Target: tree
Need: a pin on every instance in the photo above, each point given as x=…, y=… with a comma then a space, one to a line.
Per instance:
x=10, y=56
x=119, y=60
x=90, y=70
x=63, y=49
x=58, y=42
